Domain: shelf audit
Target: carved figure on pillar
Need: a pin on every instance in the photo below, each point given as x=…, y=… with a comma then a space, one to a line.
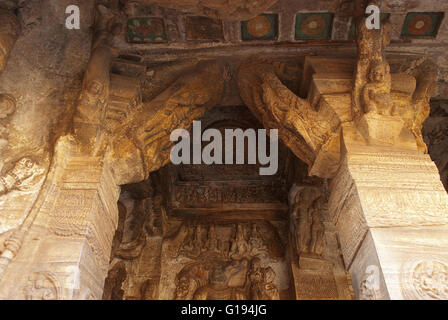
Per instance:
x=306, y=225
x=426, y=75
x=9, y=32
x=376, y=93
x=375, y=106
x=90, y=111
x=371, y=59
x=7, y=107
x=261, y=282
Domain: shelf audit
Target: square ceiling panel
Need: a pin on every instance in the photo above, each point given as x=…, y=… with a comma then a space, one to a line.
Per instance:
x=203, y=28
x=314, y=26
x=421, y=24
x=263, y=27
x=143, y=30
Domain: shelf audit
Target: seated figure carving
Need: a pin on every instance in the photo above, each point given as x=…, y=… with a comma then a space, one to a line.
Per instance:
x=262, y=282
x=376, y=93
x=226, y=282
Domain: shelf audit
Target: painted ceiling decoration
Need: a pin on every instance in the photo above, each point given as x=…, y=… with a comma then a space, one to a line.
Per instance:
x=309, y=26
x=422, y=24
x=143, y=30
x=313, y=25
x=203, y=28
x=262, y=27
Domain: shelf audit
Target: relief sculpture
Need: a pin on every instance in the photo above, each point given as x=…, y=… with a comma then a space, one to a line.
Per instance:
x=227, y=267
x=234, y=10
x=7, y=107
x=425, y=278
x=14, y=178
x=42, y=286
x=89, y=115
x=91, y=108
x=305, y=216
x=376, y=93
x=9, y=32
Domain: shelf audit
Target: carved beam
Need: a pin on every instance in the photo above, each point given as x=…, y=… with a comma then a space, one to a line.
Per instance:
x=91, y=108
x=232, y=10
x=143, y=144
x=310, y=134
x=359, y=99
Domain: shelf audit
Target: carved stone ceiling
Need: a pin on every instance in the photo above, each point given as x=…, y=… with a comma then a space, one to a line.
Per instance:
x=236, y=10
x=160, y=30
x=232, y=191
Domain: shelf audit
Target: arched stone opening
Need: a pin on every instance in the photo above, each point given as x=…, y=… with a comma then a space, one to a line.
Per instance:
x=198, y=231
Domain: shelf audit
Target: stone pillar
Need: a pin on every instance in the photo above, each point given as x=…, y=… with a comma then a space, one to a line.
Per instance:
x=391, y=212
x=66, y=250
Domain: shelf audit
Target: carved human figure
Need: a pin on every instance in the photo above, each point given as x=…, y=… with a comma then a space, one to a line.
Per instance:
x=261, y=281
x=239, y=246
x=426, y=75
x=256, y=279
x=42, y=286
x=255, y=241
x=270, y=291
x=376, y=93
x=90, y=110
x=303, y=235
x=182, y=287
x=317, y=230
x=369, y=286
x=190, y=278
x=226, y=282
x=432, y=279
x=371, y=45
x=212, y=240
x=22, y=170
x=307, y=227
x=7, y=107
x=9, y=32
x=194, y=244
x=97, y=74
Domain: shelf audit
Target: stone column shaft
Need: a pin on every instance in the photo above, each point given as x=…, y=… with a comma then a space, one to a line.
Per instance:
x=66, y=252
x=391, y=211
